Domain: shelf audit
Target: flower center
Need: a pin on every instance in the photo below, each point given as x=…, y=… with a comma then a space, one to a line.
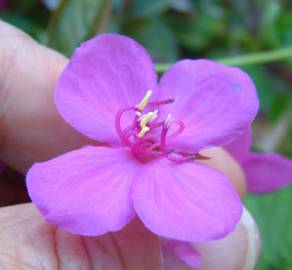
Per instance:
x=147, y=135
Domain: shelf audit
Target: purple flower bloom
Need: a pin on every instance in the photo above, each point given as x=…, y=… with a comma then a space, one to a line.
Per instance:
x=265, y=172
x=153, y=137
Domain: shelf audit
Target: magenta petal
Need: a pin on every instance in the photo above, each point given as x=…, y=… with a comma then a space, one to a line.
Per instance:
x=86, y=191
x=267, y=172
x=105, y=74
x=216, y=103
x=240, y=147
x=188, y=201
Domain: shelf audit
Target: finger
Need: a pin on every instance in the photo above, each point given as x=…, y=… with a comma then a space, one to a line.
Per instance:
x=239, y=250
x=30, y=127
x=28, y=242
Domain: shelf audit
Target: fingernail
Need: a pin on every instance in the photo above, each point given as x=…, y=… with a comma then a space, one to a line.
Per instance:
x=237, y=251
x=253, y=250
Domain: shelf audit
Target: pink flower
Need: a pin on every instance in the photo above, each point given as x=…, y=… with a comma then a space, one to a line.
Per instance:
x=265, y=172
x=148, y=167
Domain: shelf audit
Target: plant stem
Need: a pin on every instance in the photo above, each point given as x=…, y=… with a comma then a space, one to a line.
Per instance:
x=244, y=60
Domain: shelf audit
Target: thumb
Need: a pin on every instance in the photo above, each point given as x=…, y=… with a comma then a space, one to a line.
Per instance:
x=239, y=250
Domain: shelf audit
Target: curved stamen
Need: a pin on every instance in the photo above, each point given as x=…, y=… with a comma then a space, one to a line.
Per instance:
x=163, y=135
x=118, y=123
x=179, y=130
x=163, y=147
x=128, y=134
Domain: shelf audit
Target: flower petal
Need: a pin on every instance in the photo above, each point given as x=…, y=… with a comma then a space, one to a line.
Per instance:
x=187, y=202
x=216, y=103
x=267, y=172
x=239, y=148
x=86, y=191
x=105, y=74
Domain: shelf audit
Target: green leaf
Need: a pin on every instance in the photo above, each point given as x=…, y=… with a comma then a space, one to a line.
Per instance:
x=75, y=21
x=281, y=102
x=273, y=215
x=265, y=85
x=25, y=23
x=142, y=8
x=284, y=27
x=196, y=32
x=156, y=37
x=181, y=6
x=268, y=31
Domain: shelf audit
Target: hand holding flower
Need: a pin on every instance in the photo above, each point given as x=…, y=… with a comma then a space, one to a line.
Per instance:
x=33, y=131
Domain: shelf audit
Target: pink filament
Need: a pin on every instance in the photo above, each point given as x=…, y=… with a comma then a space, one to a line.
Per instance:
x=167, y=153
x=122, y=133
x=161, y=102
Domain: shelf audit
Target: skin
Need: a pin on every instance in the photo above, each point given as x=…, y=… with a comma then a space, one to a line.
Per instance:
x=31, y=130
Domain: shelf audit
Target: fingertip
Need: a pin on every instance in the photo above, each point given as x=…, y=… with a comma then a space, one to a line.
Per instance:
x=254, y=241
x=31, y=129
x=239, y=250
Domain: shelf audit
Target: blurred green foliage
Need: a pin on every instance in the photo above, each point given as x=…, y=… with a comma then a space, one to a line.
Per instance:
x=85, y=19
x=273, y=215
x=172, y=30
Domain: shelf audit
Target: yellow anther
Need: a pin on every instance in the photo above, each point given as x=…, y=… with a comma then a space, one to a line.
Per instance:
x=144, y=101
x=143, y=131
x=146, y=118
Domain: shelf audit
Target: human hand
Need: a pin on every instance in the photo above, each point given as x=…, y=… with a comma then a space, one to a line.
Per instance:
x=31, y=130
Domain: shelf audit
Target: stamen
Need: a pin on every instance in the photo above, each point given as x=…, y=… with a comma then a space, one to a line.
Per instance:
x=150, y=147
x=144, y=101
x=144, y=119
x=168, y=121
x=148, y=117
x=143, y=131
x=181, y=127
x=161, y=102
x=118, y=123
